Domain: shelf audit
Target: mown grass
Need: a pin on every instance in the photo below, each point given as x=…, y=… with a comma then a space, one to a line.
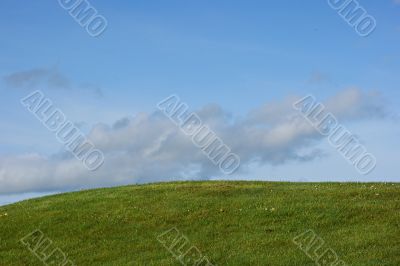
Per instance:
x=232, y=223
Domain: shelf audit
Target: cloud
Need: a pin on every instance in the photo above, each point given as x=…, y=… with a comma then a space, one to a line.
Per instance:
x=318, y=78
x=50, y=78
x=148, y=147
x=31, y=79
x=354, y=104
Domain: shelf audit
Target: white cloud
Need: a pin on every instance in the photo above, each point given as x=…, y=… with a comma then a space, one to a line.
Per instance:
x=149, y=147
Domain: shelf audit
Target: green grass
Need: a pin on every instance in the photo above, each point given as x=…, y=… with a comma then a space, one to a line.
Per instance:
x=232, y=223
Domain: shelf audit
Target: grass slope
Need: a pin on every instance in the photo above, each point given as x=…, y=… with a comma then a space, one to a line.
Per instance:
x=232, y=223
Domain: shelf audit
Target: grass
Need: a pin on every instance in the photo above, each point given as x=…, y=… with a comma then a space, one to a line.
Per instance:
x=232, y=223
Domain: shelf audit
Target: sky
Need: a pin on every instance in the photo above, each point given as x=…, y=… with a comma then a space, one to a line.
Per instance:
x=239, y=66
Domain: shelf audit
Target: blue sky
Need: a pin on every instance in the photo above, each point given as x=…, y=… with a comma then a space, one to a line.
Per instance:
x=233, y=54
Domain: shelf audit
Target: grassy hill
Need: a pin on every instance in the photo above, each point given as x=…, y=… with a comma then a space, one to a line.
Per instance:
x=230, y=223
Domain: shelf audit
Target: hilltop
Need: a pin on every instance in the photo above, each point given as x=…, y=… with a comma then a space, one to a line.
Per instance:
x=227, y=223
